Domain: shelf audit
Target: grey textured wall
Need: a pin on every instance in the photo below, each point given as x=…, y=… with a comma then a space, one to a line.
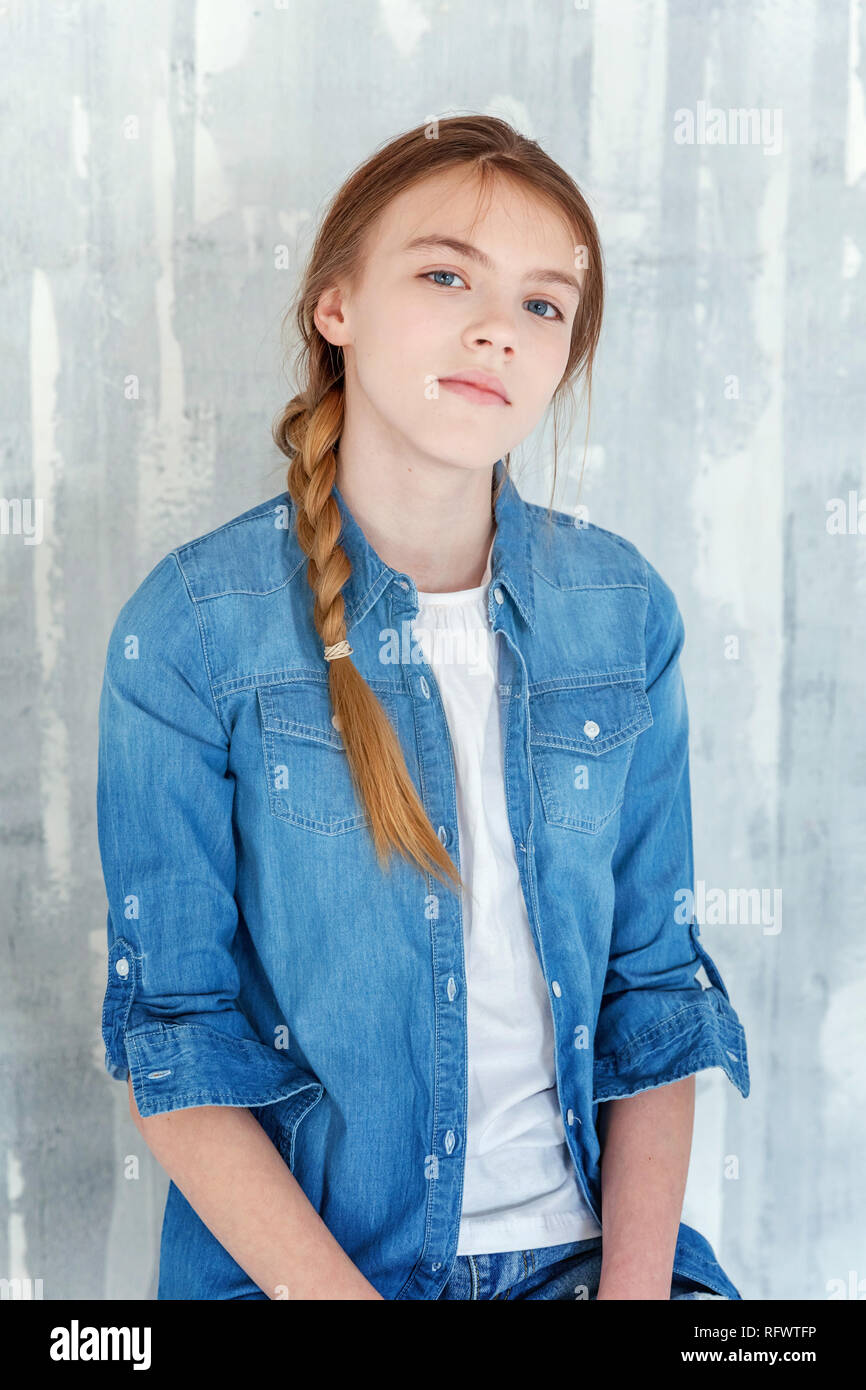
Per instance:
x=155, y=157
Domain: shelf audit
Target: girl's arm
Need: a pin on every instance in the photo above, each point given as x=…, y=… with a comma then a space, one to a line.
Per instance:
x=172, y=1022
x=657, y=1024
x=236, y=1180
x=646, y=1144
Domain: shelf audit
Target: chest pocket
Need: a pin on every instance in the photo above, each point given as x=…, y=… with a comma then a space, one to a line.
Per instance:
x=582, y=739
x=309, y=781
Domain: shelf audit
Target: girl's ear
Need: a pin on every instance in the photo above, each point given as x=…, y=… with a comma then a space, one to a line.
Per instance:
x=331, y=316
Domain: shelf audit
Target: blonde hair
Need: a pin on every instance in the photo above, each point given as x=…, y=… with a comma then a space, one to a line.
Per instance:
x=309, y=428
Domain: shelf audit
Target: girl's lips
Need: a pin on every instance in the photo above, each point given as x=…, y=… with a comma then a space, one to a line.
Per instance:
x=472, y=393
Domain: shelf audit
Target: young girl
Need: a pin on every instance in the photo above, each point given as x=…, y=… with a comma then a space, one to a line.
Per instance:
x=394, y=805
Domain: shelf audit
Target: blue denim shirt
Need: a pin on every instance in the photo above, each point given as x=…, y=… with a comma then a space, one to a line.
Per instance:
x=258, y=956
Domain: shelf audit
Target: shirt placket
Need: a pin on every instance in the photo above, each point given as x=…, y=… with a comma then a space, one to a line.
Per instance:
x=444, y=1162
x=519, y=795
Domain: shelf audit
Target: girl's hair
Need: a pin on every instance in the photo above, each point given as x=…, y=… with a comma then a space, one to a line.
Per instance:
x=310, y=426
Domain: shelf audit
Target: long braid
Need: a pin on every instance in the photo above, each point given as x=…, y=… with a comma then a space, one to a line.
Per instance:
x=396, y=815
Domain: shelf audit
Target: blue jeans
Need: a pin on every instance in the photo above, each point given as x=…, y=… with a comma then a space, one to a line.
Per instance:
x=568, y=1271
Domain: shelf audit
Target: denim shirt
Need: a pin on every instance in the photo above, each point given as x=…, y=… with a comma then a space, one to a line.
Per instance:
x=257, y=954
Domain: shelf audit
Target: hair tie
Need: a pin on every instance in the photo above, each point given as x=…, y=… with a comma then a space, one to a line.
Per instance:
x=336, y=649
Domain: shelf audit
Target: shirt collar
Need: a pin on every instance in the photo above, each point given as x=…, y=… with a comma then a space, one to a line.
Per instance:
x=510, y=562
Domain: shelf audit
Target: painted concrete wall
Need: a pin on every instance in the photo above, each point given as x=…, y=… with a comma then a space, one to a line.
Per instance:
x=153, y=158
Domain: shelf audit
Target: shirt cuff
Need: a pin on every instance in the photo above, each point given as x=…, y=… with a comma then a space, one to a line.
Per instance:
x=204, y=1059
x=702, y=1031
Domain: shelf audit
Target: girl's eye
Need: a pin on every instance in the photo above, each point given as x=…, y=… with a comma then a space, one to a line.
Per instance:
x=548, y=305
x=452, y=273
x=557, y=314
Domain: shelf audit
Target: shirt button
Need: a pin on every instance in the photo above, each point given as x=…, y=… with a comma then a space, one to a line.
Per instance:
x=452, y=988
x=403, y=584
x=425, y=688
x=122, y=966
x=556, y=987
x=335, y=720
x=443, y=834
x=449, y=1141
x=497, y=594
x=590, y=728
x=570, y=1116
x=437, y=1264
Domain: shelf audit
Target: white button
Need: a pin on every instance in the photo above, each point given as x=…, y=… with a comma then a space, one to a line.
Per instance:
x=443, y=834
x=437, y=1264
x=122, y=966
x=425, y=688
x=403, y=584
x=570, y=1117
x=555, y=986
x=497, y=594
x=590, y=728
x=452, y=988
x=449, y=1141
x=335, y=720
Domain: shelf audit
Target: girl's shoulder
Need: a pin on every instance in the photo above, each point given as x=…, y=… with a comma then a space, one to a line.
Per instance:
x=250, y=553
x=570, y=552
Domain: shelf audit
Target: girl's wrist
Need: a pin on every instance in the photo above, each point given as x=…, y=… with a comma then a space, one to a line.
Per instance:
x=632, y=1289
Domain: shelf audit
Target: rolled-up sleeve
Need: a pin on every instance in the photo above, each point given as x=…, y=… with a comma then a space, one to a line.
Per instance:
x=171, y=1019
x=657, y=1023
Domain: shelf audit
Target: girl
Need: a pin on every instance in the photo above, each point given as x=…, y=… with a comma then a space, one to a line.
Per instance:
x=394, y=805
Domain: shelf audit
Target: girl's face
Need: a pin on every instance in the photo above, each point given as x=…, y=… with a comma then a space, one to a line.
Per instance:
x=499, y=298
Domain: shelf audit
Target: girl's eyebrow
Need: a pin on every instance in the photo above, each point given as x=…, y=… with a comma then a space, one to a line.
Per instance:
x=433, y=242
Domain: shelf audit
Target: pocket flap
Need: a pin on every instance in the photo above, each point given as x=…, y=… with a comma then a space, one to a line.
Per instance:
x=299, y=707
x=588, y=718
x=302, y=708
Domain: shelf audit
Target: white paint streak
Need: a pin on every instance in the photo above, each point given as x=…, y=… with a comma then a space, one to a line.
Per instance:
x=166, y=483
x=852, y=258
x=842, y=1046
x=509, y=108
x=222, y=35
x=218, y=47
x=704, y=1194
x=855, y=135
x=48, y=590
x=17, y=1239
x=627, y=103
x=213, y=191
x=405, y=22
x=738, y=500
x=80, y=137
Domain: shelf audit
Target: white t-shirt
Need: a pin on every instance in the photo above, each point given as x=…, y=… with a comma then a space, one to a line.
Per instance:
x=520, y=1188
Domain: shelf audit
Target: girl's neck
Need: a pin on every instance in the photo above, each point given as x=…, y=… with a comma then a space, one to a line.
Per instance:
x=435, y=524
